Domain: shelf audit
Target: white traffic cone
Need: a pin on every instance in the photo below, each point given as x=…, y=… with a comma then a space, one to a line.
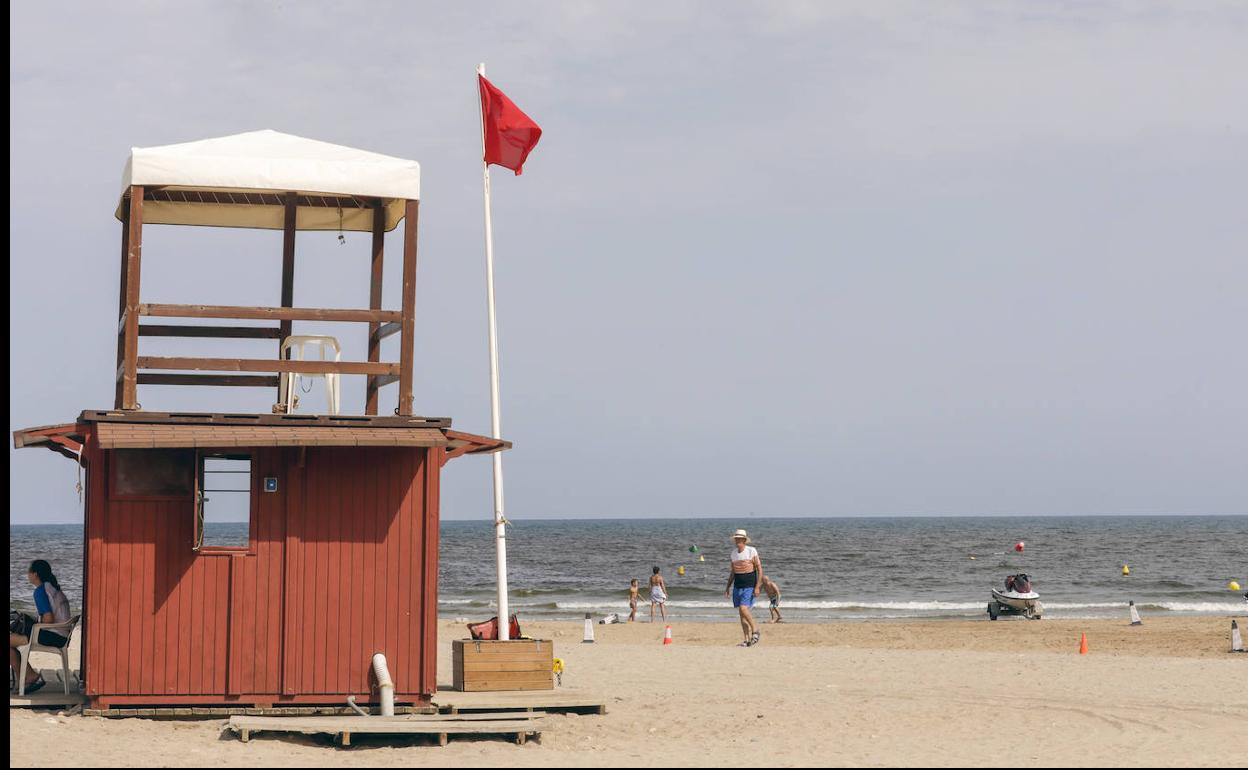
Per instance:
x=589, y=630
x=667, y=635
x=1237, y=641
x=1135, y=616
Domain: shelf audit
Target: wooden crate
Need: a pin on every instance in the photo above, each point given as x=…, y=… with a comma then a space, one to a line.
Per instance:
x=521, y=664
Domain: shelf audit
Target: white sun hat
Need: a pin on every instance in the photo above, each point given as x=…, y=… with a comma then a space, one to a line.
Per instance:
x=740, y=533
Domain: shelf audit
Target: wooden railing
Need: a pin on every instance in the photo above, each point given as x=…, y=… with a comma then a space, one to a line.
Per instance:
x=259, y=372
x=379, y=373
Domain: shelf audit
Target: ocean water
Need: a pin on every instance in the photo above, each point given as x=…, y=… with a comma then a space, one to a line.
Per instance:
x=828, y=569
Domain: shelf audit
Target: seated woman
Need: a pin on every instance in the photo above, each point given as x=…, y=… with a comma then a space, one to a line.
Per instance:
x=52, y=607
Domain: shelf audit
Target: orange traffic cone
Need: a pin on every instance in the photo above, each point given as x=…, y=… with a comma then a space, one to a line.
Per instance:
x=667, y=635
x=1083, y=645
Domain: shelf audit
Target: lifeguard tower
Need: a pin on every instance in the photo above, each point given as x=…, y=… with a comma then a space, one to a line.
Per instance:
x=339, y=557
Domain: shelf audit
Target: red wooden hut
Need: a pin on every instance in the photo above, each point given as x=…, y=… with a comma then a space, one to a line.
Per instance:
x=339, y=559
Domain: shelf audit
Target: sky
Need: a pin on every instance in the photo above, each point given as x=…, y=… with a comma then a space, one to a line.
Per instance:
x=769, y=259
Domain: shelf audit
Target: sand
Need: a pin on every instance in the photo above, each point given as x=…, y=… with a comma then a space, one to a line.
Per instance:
x=874, y=693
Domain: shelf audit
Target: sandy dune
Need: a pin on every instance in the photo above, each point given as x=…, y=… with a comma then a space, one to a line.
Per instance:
x=895, y=693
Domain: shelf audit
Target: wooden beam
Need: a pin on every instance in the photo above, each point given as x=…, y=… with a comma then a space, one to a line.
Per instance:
x=121, y=300
x=240, y=312
x=374, y=303
x=383, y=380
x=216, y=332
x=266, y=365
x=253, y=198
x=288, y=269
x=228, y=380
x=134, y=252
x=407, y=339
x=89, y=416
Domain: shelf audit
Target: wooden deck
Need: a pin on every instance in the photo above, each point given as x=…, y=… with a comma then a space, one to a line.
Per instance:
x=51, y=696
x=559, y=699
x=218, y=712
x=440, y=726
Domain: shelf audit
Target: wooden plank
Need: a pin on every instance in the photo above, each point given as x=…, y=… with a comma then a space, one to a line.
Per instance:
x=491, y=685
x=220, y=380
x=240, y=312
x=524, y=676
x=407, y=338
x=513, y=664
x=432, y=515
x=509, y=647
x=378, y=725
x=265, y=365
x=134, y=253
x=215, y=332
x=289, y=219
x=226, y=418
x=374, y=303
x=121, y=300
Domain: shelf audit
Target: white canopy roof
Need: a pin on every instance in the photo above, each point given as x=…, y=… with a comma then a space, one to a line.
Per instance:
x=208, y=182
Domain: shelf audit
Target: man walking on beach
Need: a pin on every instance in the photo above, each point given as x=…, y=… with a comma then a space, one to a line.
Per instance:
x=743, y=578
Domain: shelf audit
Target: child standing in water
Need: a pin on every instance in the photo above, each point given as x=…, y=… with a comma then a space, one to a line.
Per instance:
x=773, y=593
x=658, y=595
x=634, y=598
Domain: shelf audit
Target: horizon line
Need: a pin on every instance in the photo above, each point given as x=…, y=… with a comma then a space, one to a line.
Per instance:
x=487, y=519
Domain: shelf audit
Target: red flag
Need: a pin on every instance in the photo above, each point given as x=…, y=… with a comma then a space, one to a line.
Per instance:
x=510, y=135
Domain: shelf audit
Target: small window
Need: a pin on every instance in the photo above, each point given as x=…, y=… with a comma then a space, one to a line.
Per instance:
x=152, y=473
x=223, y=501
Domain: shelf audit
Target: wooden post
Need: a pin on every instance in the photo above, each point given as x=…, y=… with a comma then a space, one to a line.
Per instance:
x=374, y=302
x=130, y=334
x=121, y=299
x=288, y=269
x=407, y=341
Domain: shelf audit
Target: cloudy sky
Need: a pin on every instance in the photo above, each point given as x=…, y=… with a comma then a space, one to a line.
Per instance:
x=771, y=259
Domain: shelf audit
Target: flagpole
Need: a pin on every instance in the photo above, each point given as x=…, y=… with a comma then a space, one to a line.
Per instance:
x=500, y=522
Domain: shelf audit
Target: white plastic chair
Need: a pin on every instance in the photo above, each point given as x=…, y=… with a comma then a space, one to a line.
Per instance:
x=290, y=380
x=66, y=630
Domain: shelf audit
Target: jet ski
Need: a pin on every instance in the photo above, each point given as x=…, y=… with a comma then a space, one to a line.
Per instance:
x=1018, y=598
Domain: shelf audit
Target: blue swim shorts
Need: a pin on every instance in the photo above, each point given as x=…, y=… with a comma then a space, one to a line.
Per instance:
x=743, y=597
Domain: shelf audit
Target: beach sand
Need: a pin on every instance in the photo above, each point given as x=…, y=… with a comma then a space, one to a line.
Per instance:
x=969, y=693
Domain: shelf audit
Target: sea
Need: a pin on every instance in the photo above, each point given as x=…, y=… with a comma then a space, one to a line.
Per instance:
x=828, y=569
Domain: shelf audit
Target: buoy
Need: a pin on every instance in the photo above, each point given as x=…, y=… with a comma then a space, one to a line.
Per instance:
x=972, y=558
x=1233, y=585
x=1083, y=644
x=1135, y=616
x=1019, y=546
x=693, y=549
x=667, y=635
x=557, y=668
x=680, y=570
x=701, y=558
x=589, y=630
x=1237, y=641
x=1126, y=570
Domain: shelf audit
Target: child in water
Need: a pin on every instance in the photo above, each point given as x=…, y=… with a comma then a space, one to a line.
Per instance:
x=773, y=593
x=634, y=598
x=658, y=595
